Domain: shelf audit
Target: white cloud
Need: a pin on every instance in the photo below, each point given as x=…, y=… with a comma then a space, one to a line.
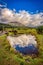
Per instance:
x=22, y=16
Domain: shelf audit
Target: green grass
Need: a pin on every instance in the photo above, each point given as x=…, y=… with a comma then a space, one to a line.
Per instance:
x=9, y=57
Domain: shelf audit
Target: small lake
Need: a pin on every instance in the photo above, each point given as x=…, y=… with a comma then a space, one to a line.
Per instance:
x=25, y=44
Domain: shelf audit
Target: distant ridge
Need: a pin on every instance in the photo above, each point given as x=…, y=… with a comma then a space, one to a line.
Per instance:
x=16, y=24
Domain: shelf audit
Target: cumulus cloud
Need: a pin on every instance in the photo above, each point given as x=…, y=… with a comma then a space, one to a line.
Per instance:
x=23, y=17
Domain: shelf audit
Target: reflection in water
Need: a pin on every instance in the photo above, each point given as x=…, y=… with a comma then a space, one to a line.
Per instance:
x=30, y=49
x=25, y=44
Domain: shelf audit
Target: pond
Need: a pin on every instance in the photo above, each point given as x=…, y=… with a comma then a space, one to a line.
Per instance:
x=25, y=44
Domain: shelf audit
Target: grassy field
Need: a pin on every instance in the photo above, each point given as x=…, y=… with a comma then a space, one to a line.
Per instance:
x=9, y=56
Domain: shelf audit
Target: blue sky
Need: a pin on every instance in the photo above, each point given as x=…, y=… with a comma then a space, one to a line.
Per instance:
x=28, y=5
x=28, y=12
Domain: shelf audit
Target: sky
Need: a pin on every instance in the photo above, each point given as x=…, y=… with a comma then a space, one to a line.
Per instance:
x=26, y=12
x=28, y=5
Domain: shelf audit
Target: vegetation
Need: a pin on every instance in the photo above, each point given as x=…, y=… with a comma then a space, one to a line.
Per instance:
x=40, y=30
x=9, y=56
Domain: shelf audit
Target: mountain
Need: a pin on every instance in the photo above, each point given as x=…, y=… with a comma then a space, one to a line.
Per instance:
x=12, y=24
x=16, y=24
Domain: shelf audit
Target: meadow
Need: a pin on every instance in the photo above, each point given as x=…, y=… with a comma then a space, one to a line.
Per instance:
x=9, y=56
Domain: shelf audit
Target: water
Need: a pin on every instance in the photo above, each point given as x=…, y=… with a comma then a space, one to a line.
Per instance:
x=25, y=44
x=30, y=49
